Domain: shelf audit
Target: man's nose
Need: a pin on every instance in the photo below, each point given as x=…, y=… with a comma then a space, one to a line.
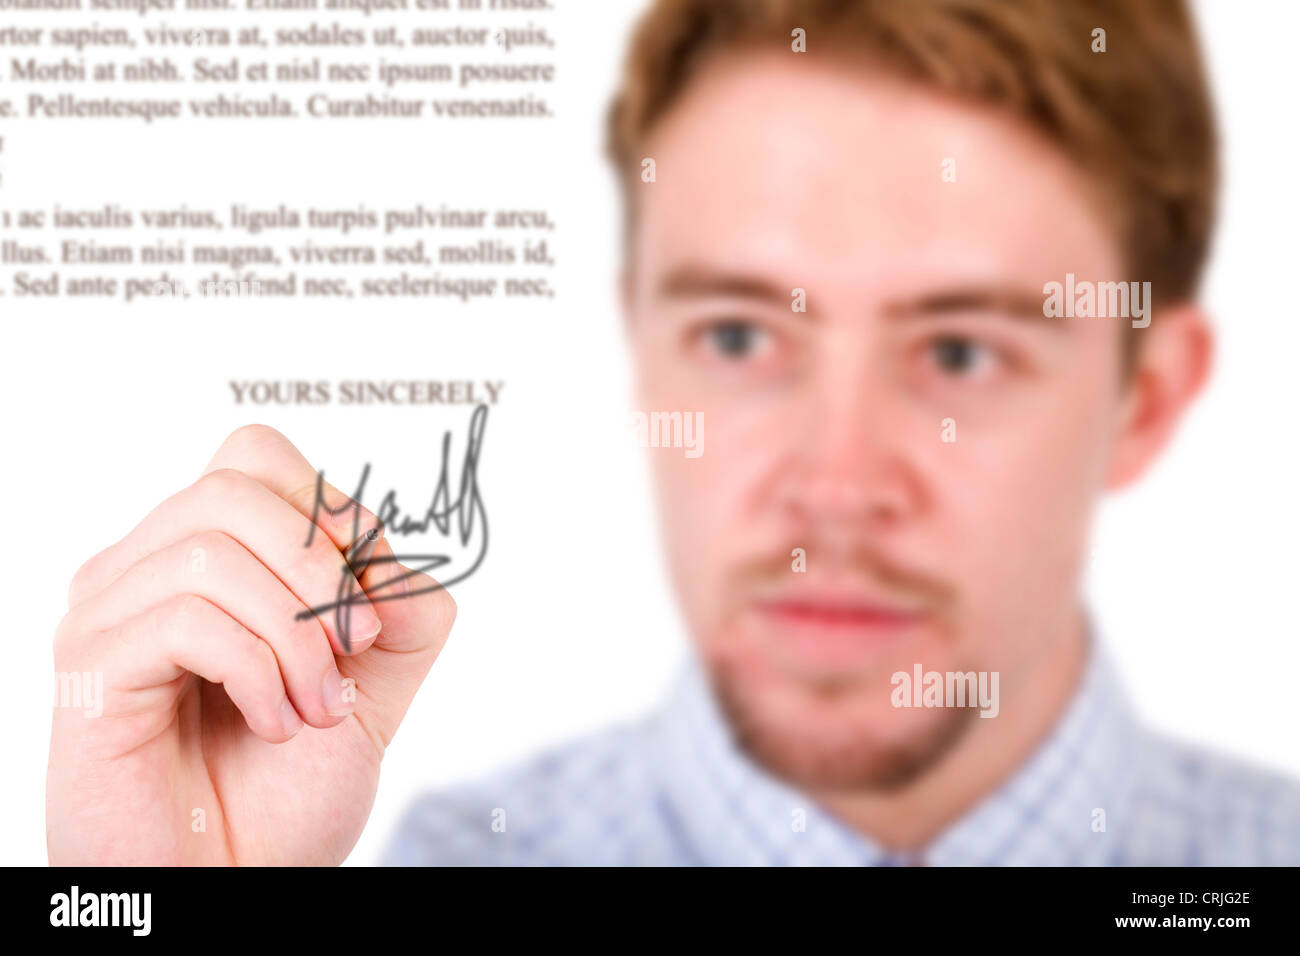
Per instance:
x=849, y=462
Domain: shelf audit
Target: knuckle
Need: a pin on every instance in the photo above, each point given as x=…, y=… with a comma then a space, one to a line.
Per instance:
x=223, y=483
x=212, y=542
x=259, y=658
x=185, y=613
x=249, y=439
x=66, y=639
x=82, y=578
x=336, y=509
x=249, y=660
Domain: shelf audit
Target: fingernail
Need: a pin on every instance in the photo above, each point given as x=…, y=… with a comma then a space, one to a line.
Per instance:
x=332, y=690
x=358, y=642
x=289, y=718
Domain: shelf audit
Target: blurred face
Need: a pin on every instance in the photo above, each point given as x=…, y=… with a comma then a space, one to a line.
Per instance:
x=919, y=433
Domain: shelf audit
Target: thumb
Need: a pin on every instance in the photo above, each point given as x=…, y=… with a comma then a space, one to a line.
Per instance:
x=417, y=614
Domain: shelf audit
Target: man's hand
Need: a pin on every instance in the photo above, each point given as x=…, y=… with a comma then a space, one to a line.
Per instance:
x=220, y=704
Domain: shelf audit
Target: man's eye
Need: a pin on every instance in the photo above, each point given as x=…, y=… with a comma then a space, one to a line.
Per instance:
x=961, y=357
x=736, y=339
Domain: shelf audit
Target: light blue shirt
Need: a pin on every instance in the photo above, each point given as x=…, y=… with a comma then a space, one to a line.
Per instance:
x=673, y=789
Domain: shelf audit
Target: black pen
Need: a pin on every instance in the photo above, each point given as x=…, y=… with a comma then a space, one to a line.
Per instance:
x=361, y=550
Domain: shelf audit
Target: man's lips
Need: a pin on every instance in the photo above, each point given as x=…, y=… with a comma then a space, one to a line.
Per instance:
x=843, y=602
x=837, y=615
x=835, y=632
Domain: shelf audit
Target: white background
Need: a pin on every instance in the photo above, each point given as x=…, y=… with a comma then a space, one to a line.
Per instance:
x=109, y=408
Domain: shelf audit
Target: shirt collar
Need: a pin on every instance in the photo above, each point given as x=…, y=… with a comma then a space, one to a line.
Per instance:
x=733, y=812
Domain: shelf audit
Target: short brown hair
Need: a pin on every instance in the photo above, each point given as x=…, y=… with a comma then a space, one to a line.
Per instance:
x=1137, y=118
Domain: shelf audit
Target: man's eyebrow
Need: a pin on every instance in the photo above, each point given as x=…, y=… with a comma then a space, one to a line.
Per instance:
x=1011, y=301
x=698, y=281
x=694, y=280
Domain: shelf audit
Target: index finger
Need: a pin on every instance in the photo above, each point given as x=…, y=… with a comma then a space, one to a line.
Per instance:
x=273, y=461
x=269, y=458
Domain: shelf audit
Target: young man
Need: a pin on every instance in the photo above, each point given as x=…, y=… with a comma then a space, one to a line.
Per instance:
x=844, y=222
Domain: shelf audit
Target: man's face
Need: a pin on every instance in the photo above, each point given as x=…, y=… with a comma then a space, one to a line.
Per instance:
x=824, y=430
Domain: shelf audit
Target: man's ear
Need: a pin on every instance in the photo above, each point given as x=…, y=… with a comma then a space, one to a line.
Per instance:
x=1170, y=368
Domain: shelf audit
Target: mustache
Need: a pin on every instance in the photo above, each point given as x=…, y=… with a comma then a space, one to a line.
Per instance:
x=851, y=565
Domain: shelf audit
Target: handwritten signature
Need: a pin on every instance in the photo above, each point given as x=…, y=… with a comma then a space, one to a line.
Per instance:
x=466, y=509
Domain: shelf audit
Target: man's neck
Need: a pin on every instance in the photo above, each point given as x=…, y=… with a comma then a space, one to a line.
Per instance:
x=908, y=818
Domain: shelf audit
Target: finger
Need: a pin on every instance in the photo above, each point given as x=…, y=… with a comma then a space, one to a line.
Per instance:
x=418, y=614
x=234, y=580
x=416, y=611
x=187, y=633
x=277, y=534
x=267, y=456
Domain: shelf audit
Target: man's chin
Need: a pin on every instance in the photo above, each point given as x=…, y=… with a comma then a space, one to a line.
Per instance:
x=824, y=737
